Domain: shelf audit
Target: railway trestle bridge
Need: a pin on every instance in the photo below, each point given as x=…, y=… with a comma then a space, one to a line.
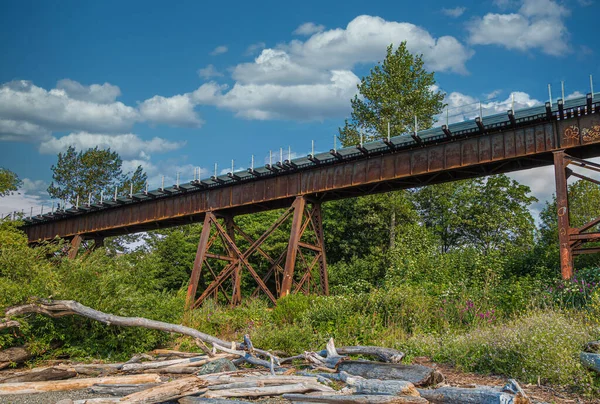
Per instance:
x=565, y=134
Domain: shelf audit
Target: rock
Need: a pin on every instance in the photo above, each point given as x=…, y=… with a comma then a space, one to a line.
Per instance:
x=592, y=347
x=218, y=366
x=590, y=361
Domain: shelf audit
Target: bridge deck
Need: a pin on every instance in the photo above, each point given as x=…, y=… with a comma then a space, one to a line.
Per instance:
x=501, y=143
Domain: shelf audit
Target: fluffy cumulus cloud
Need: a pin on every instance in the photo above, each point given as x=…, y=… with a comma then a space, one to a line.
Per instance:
x=177, y=110
x=454, y=12
x=538, y=24
x=100, y=93
x=31, y=113
x=127, y=145
x=56, y=110
x=309, y=28
x=313, y=79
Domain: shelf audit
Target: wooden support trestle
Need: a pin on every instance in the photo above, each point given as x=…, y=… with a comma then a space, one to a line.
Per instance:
x=305, y=258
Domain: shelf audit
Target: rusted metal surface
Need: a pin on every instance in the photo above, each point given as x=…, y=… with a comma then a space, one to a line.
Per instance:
x=572, y=240
x=480, y=154
x=298, y=275
x=562, y=206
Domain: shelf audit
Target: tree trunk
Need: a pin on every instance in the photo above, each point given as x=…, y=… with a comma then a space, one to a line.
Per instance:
x=477, y=395
x=383, y=354
x=74, y=384
x=375, y=386
x=40, y=375
x=16, y=354
x=416, y=374
x=268, y=390
x=354, y=399
x=186, y=386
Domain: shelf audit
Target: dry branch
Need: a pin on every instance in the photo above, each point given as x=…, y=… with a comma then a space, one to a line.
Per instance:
x=354, y=399
x=381, y=353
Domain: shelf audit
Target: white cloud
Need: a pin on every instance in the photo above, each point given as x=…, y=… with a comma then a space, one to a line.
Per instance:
x=177, y=110
x=101, y=94
x=493, y=94
x=55, y=110
x=209, y=71
x=21, y=131
x=462, y=107
x=537, y=24
x=454, y=12
x=575, y=94
x=128, y=145
x=274, y=66
x=365, y=39
x=308, y=28
x=219, y=50
x=34, y=186
x=30, y=197
x=255, y=47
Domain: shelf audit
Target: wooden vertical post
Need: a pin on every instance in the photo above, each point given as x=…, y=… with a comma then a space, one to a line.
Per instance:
x=75, y=244
x=290, y=260
x=562, y=206
x=236, y=297
x=318, y=226
x=200, y=255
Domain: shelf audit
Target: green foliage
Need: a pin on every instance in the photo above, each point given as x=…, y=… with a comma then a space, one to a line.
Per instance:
x=395, y=91
x=9, y=182
x=92, y=172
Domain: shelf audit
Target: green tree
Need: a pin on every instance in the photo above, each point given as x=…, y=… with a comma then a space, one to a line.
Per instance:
x=94, y=171
x=9, y=181
x=489, y=213
x=395, y=91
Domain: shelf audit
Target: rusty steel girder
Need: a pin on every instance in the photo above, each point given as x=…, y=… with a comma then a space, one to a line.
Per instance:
x=473, y=156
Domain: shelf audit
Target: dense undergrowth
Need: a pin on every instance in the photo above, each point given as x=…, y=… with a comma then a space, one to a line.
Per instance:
x=531, y=328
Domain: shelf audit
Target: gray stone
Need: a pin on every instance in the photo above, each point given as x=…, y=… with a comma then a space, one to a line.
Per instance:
x=218, y=366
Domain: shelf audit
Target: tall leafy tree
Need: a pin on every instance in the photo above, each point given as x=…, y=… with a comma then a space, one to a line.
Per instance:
x=395, y=91
x=92, y=172
x=9, y=181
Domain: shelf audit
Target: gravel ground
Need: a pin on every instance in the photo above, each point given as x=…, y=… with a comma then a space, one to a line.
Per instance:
x=51, y=397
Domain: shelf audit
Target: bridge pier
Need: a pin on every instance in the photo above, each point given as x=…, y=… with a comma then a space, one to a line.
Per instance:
x=304, y=261
x=572, y=240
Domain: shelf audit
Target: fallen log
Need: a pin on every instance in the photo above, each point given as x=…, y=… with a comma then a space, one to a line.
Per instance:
x=416, y=374
x=120, y=390
x=384, y=354
x=173, y=370
x=128, y=367
x=375, y=386
x=40, y=376
x=354, y=399
x=590, y=361
x=17, y=354
x=169, y=352
x=331, y=360
x=204, y=400
x=74, y=384
x=173, y=390
x=268, y=390
x=475, y=395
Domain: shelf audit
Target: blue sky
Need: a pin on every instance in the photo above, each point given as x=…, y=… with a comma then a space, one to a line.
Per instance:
x=178, y=85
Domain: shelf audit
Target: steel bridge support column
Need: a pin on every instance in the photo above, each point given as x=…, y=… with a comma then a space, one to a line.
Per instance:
x=75, y=244
x=292, y=251
x=562, y=206
x=236, y=298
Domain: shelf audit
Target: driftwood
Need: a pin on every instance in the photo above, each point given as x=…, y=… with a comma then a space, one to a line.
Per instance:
x=74, y=384
x=383, y=354
x=96, y=369
x=40, y=375
x=61, y=308
x=332, y=359
x=186, y=386
x=354, y=399
x=268, y=390
x=200, y=360
x=375, y=386
x=169, y=353
x=174, y=370
x=476, y=395
x=16, y=354
x=416, y=374
x=590, y=361
x=204, y=400
x=120, y=389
